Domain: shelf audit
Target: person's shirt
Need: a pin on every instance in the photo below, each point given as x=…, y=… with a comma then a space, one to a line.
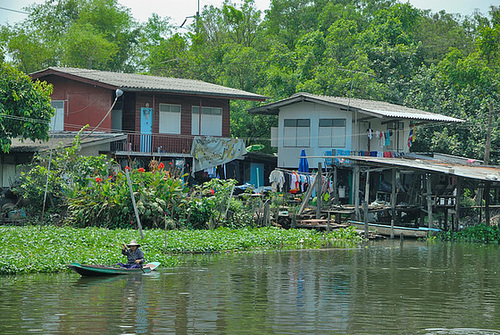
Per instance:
x=132, y=256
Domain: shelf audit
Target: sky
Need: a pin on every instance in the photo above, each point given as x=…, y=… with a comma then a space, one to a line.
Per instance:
x=178, y=10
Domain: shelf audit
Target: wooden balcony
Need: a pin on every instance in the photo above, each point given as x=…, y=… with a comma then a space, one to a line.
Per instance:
x=156, y=144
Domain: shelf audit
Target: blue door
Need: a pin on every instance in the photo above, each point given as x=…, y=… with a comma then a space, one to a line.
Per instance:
x=257, y=174
x=146, y=128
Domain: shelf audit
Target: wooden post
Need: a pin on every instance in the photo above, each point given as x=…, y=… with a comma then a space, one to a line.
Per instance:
x=319, y=181
x=229, y=202
x=306, y=196
x=393, y=201
x=335, y=186
x=486, y=195
x=429, y=199
x=457, y=203
x=446, y=218
x=355, y=191
x=133, y=203
x=266, y=213
x=328, y=222
x=367, y=199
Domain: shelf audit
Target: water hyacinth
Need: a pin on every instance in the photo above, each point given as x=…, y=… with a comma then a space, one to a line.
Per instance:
x=31, y=249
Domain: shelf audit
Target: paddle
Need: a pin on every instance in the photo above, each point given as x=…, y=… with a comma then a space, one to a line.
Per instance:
x=135, y=259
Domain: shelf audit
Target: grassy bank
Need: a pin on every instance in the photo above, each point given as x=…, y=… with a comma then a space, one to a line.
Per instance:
x=48, y=249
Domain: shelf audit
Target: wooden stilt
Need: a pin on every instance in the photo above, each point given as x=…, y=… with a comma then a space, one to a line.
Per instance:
x=336, y=199
x=486, y=195
x=429, y=200
x=393, y=201
x=365, y=204
x=319, y=182
x=457, y=203
x=328, y=222
x=355, y=193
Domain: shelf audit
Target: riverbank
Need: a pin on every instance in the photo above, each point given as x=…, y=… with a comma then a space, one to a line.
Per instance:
x=48, y=249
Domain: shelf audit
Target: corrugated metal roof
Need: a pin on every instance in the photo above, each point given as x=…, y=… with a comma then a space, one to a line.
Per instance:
x=65, y=139
x=138, y=82
x=484, y=173
x=371, y=107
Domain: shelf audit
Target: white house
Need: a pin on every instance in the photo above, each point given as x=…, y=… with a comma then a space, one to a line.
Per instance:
x=325, y=126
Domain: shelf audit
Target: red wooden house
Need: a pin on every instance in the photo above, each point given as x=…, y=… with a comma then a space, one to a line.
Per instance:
x=159, y=115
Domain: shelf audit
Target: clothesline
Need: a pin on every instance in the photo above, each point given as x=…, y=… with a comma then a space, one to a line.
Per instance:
x=295, y=182
x=291, y=171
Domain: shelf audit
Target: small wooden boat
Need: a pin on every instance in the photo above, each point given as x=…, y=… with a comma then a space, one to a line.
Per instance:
x=103, y=270
x=385, y=230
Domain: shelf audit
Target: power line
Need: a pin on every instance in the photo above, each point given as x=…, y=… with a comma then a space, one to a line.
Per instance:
x=22, y=118
x=14, y=10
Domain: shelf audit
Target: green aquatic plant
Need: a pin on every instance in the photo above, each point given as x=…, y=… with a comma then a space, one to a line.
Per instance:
x=49, y=249
x=480, y=233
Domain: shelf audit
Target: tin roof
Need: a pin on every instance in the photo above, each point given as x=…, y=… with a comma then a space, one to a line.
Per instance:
x=144, y=83
x=378, y=109
x=64, y=139
x=484, y=173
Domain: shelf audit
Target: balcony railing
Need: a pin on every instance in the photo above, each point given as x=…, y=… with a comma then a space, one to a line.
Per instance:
x=155, y=144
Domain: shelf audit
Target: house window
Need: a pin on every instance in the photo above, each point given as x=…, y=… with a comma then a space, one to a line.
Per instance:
x=296, y=133
x=331, y=133
x=117, y=116
x=57, y=121
x=211, y=121
x=170, y=119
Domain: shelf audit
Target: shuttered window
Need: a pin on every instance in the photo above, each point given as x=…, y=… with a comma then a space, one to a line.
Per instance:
x=170, y=119
x=296, y=133
x=332, y=133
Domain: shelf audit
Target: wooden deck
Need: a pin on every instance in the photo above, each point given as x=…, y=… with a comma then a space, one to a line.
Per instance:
x=320, y=224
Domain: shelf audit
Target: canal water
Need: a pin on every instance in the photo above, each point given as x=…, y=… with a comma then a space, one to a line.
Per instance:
x=384, y=287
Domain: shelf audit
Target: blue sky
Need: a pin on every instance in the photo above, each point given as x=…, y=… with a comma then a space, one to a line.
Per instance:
x=178, y=10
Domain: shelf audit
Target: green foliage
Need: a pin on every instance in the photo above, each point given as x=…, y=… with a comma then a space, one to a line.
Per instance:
x=31, y=249
x=211, y=206
x=68, y=171
x=99, y=34
x=83, y=39
x=480, y=233
x=25, y=108
x=459, y=86
x=106, y=201
x=93, y=191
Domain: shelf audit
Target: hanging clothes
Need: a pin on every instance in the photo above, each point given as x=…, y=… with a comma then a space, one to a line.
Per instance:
x=303, y=183
x=294, y=183
x=277, y=180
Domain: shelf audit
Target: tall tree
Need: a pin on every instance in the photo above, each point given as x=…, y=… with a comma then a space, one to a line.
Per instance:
x=488, y=41
x=97, y=34
x=461, y=86
x=25, y=108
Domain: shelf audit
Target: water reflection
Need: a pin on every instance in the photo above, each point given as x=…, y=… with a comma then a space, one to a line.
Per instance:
x=379, y=288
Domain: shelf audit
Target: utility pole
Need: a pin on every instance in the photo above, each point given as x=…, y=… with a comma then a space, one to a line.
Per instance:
x=196, y=18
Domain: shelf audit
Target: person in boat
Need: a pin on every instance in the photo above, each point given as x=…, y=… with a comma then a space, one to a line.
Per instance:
x=135, y=256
